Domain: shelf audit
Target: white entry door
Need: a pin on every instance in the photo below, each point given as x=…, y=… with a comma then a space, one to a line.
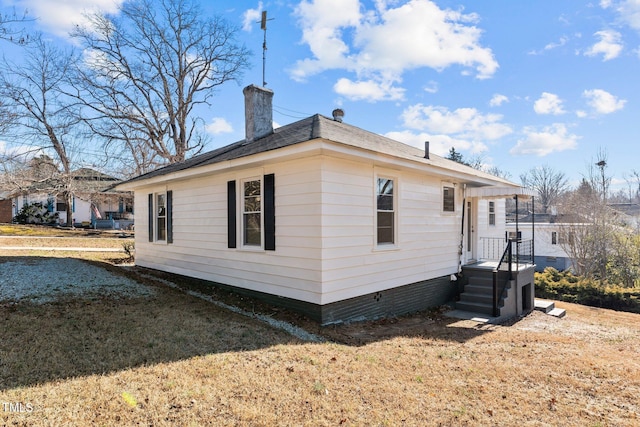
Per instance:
x=470, y=230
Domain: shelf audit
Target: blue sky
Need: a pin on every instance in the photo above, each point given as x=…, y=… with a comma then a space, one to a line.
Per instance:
x=519, y=83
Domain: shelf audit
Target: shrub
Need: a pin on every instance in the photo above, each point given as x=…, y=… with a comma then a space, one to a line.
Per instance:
x=564, y=286
x=35, y=213
x=129, y=248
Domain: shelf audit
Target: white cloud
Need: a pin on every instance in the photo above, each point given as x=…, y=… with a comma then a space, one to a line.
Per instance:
x=548, y=103
x=463, y=123
x=60, y=17
x=550, y=139
x=628, y=11
x=610, y=45
x=497, y=100
x=368, y=90
x=250, y=17
x=431, y=87
x=218, y=125
x=380, y=45
x=602, y=101
x=550, y=46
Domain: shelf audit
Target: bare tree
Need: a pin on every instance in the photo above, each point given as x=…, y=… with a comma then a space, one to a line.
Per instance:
x=633, y=184
x=147, y=68
x=8, y=30
x=477, y=162
x=580, y=233
x=33, y=91
x=549, y=184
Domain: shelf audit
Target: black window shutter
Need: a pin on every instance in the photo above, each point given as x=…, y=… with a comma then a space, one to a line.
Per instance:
x=151, y=217
x=269, y=213
x=169, y=216
x=231, y=214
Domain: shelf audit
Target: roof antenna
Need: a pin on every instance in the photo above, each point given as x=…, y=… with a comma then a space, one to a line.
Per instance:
x=263, y=27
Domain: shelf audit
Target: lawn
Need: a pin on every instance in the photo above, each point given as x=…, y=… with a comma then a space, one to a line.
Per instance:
x=173, y=359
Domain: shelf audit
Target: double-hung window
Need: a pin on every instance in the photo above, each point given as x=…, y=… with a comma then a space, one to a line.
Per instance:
x=448, y=199
x=252, y=213
x=492, y=213
x=385, y=221
x=255, y=199
x=161, y=217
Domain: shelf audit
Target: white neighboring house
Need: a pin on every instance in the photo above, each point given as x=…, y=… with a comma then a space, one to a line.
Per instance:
x=319, y=216
x=548, y=243
x=91, y=202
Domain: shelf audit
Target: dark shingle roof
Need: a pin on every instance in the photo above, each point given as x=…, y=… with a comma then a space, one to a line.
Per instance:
x=310, y=128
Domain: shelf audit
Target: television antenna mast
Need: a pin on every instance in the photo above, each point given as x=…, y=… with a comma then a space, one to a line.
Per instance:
x=263, y=27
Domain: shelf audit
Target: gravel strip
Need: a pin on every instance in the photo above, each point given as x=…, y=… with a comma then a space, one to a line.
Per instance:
x=44, y=280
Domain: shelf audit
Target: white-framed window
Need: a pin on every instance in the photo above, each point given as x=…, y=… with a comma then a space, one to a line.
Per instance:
x=492, y=213
x=385, y=211
x=252, y=212
x=448, y=198
x=161, y=217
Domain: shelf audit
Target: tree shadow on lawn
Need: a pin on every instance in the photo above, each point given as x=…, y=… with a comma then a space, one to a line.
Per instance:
x=431, y=324
x=84, y=336
x=74, y=337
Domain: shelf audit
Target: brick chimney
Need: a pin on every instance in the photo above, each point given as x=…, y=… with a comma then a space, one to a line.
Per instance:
x=258, y=112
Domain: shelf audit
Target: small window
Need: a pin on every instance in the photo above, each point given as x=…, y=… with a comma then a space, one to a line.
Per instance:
x=512, y=235
x=492, y=213
x=554, y=237
x=61, y=205
x=385, y=211
x=566, y=237
x=252, y=213
x=448, y=200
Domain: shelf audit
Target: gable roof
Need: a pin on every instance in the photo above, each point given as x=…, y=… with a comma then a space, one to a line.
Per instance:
x=319, y=127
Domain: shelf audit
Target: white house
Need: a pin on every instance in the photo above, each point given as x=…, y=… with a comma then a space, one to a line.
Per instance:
x=548, y=240
x=91, y=201
x=319, y=216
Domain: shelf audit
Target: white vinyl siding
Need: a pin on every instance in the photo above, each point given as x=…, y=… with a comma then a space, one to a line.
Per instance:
x=200, y=233
x=426, y=241
x=326, y=229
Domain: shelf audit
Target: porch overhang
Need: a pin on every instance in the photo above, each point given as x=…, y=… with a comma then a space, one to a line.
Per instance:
x=491, y=192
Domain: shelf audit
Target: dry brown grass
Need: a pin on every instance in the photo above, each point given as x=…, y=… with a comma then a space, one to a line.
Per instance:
x=177, y=360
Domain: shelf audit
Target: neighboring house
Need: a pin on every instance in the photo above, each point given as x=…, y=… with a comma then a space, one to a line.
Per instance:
x=627, y=213
x=94, y=202
x=320, y=216
x=548, y=243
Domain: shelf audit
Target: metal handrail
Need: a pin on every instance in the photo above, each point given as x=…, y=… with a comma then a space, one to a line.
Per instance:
x=508, y=253
x=524, y=256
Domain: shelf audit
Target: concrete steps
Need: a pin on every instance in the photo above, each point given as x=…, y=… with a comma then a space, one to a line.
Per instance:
x=549, y=307
x=478, y=293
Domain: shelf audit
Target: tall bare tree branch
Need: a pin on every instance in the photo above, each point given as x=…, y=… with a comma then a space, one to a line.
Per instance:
x=549, y=184
x=33, y=91
x=145, y=71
